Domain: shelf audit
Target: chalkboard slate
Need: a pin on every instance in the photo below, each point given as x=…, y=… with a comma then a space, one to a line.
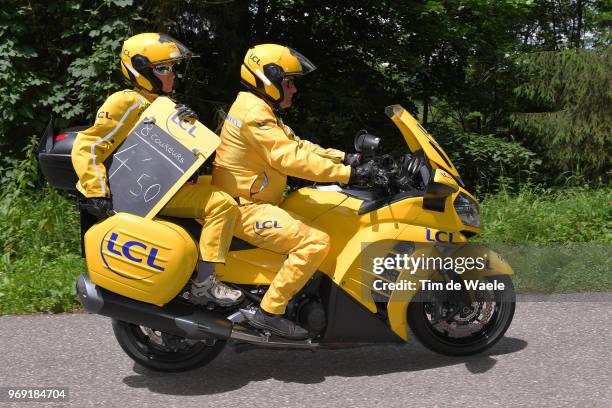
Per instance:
x=156, y=158
x=144, y=167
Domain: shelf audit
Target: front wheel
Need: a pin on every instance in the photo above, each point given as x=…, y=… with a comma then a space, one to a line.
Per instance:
x=439, y=325
x=161, y=351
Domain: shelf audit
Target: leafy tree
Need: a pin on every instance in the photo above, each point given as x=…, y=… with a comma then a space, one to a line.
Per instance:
x=58, y=57
x=568, y=109
x=452, y=62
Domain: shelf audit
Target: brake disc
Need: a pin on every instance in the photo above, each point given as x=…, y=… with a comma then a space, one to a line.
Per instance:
x=473, y=321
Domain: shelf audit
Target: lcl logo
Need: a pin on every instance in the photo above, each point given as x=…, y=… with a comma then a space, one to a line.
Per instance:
x=265, y=225
x=255, y=59
x=182, y=124
x=439, y=236
x=114, y=247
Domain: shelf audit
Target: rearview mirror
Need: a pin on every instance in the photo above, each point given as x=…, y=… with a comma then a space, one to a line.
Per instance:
x=366, y=143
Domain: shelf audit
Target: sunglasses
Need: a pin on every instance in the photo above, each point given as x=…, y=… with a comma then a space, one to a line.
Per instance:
x=289, y=81
x=162, y=69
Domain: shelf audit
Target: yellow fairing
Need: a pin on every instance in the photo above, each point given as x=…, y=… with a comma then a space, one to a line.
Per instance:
x=146, y=260
x=443, y=178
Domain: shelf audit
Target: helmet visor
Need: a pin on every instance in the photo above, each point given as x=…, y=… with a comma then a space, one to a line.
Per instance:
x=182, y=53
x=306, y=66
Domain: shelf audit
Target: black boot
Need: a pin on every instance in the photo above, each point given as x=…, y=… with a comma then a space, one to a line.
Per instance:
x=276, y=324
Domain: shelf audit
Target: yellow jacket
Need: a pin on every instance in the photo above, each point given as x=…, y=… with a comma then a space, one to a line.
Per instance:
x=258, y=152
x=92, y=146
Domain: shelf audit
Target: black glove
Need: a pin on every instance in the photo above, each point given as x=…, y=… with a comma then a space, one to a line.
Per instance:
x=351, y=159
x=100, y=207
x=185, y=113
x=361, y=174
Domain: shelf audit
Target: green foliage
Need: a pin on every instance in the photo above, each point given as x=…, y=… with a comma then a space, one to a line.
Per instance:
x=59, y=57
x=544, y=215
x=566, y=24
x=561, y=238
x=570, y=108
x=41, y=224
x=452, y=61
x=488, y=163
x=41, y=287
x=39, y=241
x=17, y=176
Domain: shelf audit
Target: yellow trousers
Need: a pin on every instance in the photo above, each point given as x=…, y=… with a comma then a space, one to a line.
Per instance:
x=270, y=227
x=216, y=208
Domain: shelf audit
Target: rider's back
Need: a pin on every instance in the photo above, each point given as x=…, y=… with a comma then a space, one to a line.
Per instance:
x=117, y=115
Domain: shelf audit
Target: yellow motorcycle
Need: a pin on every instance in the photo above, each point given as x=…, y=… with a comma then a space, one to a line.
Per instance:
x=376, y=285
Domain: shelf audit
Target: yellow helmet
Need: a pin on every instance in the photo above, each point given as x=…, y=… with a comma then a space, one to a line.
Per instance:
x=266, y=65
x=142, y=52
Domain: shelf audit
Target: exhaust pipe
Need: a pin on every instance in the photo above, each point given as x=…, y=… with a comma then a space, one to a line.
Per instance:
x=174, y=318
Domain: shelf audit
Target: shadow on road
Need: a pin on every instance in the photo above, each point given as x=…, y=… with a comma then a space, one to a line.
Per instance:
x=232, y=370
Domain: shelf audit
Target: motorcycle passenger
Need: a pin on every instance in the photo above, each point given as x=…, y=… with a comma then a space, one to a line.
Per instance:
x=257, y=153
x=148, y=61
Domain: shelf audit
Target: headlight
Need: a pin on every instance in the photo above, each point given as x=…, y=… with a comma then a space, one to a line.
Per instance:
x=468, y=210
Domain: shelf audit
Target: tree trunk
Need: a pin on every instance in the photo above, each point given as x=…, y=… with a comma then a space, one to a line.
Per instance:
x=426, y=89
x=425, y=110
x=260, y=21
x=578, y=32
x=554, y=25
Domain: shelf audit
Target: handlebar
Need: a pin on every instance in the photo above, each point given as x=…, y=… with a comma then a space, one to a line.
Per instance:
x=391, y=176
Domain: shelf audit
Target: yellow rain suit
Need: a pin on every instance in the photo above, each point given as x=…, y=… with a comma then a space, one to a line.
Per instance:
x=93, y=146
x=256, y=155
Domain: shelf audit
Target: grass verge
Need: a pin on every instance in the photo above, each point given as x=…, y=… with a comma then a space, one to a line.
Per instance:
x=543, y=215
x=563, y=237
x=39, y=236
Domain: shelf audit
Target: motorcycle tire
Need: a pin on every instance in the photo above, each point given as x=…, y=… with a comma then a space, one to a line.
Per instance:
x=138, y=345
x=439, y=342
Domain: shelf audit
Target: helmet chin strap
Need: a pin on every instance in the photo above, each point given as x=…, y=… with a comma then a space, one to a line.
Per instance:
x=162, y=92
x=155, y=91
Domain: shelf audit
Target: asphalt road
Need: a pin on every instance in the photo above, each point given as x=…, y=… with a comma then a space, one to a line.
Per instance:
x=557, y=353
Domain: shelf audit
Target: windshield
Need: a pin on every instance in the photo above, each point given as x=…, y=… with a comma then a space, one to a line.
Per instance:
x=418, y=138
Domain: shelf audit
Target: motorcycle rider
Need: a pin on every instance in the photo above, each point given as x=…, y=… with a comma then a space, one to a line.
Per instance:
x=257, y=153
x=147, y=61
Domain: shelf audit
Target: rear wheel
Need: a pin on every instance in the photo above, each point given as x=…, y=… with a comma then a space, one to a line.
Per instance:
x=161, y=351
x=437, y=323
